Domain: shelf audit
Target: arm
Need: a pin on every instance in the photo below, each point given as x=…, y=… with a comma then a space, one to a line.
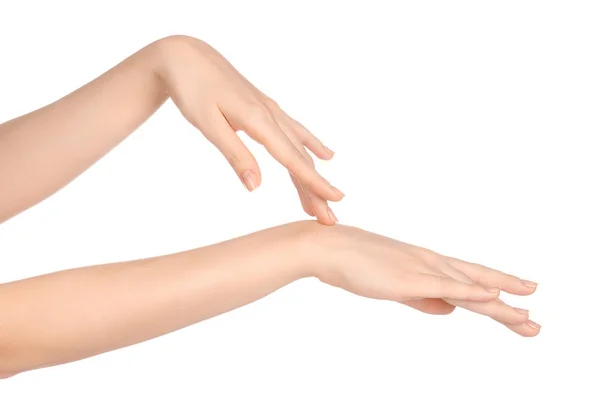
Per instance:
x=73, y=314
x=65, y=316
x=51, y=146
x=44, y=150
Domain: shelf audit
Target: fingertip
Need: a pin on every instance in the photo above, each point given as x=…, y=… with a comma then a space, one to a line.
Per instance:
x=534, y=326
x=325, y=220
x=530, y=285
x=521, y=291
x=332, y=216
x=521, y=287
x=337, y=195
x=447, y=311
x=528, y=329
x=249, y=179
x=324, y=156
x=323, y=213
x=258, y=176
x=325, y=153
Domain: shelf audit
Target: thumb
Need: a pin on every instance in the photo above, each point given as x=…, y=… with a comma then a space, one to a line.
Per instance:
x=219, y=133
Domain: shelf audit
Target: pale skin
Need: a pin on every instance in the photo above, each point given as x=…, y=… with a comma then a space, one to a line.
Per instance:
x=70, y=315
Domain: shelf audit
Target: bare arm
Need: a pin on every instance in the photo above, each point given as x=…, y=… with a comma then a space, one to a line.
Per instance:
x=65, y=316
x=73, y=314
x=44, y=150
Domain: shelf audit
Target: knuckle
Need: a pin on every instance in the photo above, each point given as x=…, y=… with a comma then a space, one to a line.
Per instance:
x=233, y=160
x=271, y=103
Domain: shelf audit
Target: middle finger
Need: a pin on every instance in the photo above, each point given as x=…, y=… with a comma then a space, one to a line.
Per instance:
x=319, y=205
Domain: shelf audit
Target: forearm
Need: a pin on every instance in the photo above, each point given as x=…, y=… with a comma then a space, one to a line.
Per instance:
x=70, y=315
x=44, y=150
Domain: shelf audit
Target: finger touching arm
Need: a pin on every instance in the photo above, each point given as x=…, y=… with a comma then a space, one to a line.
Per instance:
x=44, y=150
x=74, y=314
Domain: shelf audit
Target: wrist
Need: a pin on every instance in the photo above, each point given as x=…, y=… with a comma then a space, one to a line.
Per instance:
x=310, y=243
x=159, y=53
x=173, y=52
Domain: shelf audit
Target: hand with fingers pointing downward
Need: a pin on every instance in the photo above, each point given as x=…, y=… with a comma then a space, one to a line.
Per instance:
x=44, y=323
x=67, y=136
x=214, y=97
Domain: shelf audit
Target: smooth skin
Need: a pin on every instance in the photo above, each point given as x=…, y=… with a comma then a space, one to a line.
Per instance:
x=53, y=145
x=70, y=315
x=73, y=314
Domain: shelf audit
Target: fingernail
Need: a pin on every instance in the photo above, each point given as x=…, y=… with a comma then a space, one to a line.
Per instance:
x=521, y=311
x=533, y=325
x=338, y=191
x=493, y=290
x=332, y=215
x=329, y=151
x=529, y=284
x=249, y=180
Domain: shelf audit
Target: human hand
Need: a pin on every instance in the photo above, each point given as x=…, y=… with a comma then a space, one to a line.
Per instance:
x=214, y=97
x=378, y=267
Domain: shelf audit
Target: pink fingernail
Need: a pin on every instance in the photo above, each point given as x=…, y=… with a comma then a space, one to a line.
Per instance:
x=338, y=191
x=533, y=325
x=522, y=311
x=332, y=215
x=249, y=180
x=329, y=151
x=493, y=290
x=529, y=284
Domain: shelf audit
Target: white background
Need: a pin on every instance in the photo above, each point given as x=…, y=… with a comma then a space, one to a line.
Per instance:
x=466, y=127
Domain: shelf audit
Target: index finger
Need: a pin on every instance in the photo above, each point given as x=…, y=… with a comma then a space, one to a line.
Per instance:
x=430, y=286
